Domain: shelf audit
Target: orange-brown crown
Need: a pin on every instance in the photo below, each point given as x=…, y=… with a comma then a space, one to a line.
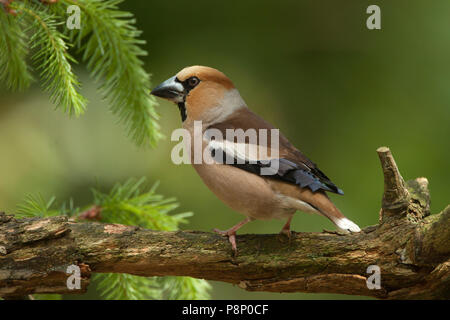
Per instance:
x=205, y=74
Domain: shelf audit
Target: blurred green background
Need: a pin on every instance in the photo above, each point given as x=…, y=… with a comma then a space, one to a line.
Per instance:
x=336, y=89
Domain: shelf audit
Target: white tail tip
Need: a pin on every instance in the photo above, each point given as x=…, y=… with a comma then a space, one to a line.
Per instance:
x=346, y=225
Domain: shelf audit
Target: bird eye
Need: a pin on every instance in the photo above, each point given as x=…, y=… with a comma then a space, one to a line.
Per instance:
x=193, y=81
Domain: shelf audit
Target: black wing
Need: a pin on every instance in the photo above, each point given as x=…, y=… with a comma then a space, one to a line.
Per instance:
x=287, y=171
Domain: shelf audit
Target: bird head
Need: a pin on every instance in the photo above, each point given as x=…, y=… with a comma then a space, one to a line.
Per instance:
x=201, y=93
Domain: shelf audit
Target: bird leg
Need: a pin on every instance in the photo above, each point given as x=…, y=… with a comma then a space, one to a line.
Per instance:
x=287, y=228
x=231, y=233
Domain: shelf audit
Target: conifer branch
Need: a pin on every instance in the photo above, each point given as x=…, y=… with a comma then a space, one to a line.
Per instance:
x=52, y=58
x=13, y=51
x=111, y=49
x=108, y=43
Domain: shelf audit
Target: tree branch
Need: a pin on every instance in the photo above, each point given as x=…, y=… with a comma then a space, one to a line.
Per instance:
x=396, y=196
x=410, y=247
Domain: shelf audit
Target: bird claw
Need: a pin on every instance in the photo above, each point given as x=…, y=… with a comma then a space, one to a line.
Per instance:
x=231, y=238
x=286, y=233
x=221, y=232
x=231, y=233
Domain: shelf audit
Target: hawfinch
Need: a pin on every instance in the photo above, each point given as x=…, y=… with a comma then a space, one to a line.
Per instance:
x=207, y=97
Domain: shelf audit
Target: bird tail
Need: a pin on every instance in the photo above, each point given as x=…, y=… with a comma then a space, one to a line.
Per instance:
x=346, y=225
x=324, y=206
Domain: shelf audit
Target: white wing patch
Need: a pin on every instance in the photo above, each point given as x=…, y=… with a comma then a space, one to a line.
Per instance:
x=241, y=152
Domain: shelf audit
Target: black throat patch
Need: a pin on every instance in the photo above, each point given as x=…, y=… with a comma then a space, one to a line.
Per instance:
x=182, y=108
x=188, y=85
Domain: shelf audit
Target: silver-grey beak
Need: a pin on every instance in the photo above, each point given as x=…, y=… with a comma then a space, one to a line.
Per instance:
x=171, y=89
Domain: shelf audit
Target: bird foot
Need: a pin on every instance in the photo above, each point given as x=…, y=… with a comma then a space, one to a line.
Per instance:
x=285, y=233
x=231, y=238
x=221, y=232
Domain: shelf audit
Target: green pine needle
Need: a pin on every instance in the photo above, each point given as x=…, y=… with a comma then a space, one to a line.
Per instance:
x=108, y=42
x=110, y=45
x=36, y=206
x=185, y=288
x=128, y=204
x=52, y=58
x=13, y=51
x=120, y=286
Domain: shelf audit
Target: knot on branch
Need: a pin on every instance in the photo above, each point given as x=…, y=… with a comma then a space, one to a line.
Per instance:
x=419, y=204
x=396, y=196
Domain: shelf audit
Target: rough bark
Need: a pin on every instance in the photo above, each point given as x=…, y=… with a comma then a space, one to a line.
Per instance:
x=410, y=246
